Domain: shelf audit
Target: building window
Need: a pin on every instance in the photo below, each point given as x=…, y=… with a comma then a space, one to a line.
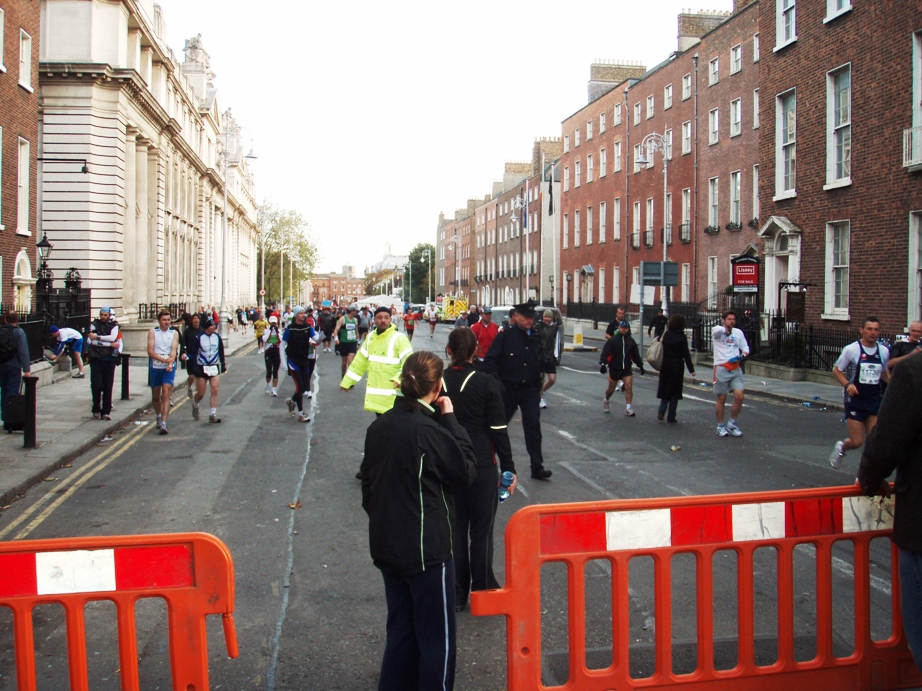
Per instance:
x=713, y=126
x=736, y=58
x=636, y=224
x=685, y=230
x=835, y=8
x=601, y=285
x=636, y=157
x=735, y=213
x=839, y=126
x=616, y=284
x=566, y=179
x=712, y=283
x=667, y=135
x=713, y=71
x=755, y=109
x=576, y=229
x=785, y=24
x=617, y=114
x=603, y=220
x=838, y=244
x=566, y=143
x=616, y=219
x=637, y=107
x=578, y=173
x=617, y=157
x=566, y=231
x=601, y=122
x=686, y=137
x=667, y=97
x=755, y=48
x=786, y=145
x=736, y=117
x=649, y=213
x=22, y=191
x=2, y=31
x=588, y=225
x=686, y=87
x=25, y=60
x=589, y=171
x=712, y=202
x=686, y=282
x=755, y=191
x=649, y=106
x=603, y=162
x=588, y=130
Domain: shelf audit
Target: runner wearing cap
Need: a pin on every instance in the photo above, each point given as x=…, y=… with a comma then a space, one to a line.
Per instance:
x=616, y=358
x=271, y=345
x=346, y=336
x=209, y=366
x=68, y=338
x=299, y=342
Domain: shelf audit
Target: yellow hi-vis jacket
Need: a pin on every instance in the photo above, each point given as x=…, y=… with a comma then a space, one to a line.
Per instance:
x=382, y=356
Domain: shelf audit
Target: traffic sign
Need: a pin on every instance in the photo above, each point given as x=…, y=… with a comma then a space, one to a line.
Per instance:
x=262, y=291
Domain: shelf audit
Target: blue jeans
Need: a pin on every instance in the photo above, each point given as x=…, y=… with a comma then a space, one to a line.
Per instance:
x=10, y=381
x=911, y=601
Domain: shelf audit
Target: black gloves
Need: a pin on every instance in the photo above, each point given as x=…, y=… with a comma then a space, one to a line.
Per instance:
x=642, y=371
x=603, y=369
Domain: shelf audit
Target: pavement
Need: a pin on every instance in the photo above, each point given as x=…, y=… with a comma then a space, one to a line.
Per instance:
x=66, y=429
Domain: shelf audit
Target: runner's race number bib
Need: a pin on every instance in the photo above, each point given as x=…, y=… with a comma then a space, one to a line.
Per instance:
x=210, y=370
x=869, y=373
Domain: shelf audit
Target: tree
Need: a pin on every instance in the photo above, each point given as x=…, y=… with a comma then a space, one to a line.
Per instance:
x=419, y=282
x=289, y=247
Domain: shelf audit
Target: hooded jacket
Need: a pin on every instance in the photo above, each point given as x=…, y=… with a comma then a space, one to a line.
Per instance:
x=618, y=353
x=381, y=355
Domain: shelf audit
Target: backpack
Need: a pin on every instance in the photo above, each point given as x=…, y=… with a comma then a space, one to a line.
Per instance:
x=7, y=344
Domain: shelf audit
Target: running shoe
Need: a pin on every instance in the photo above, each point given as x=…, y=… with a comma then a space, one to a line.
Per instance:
x=734, y=429
x=309, y=394
x=291, y=407
x=79, y=375
x=214, y=418
x=629, y=412
x=304, y=417
x=275, y=392
x=106, y=417
x=619, y=386
x=722, y=430
x=163, y=429
x=838, y=453
x=268, y=389
x=195, y=411
x=606, y=407
x=543, y=403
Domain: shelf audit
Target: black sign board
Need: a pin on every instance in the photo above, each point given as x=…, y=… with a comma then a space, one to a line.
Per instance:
x=796, y=309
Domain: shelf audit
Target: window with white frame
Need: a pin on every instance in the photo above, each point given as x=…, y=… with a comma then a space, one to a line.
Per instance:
x=735, y=212
x=686, y=137
x=636, y=223
x=588, y=225
x=839, y=126
x=588, y=130
x=566, y=179
x=601, y=285
x=577, y=172
x=566, y=231
x=755, y=191
x=566, y=143
x=617, y=114
x=601, y=122
x=755, y=109
x=835, y=8
x=736, y=117
x=667, y=97
x=589, y=167
x=25, y=60
x=649, y=153
x=636, y=157
x=686, y=87
x=686, y=283
x=785, y=23
x=617, y=157
x=650, y=213
x=616, y=219
x=576, y=228
x=713, y=126
x=649, y=106
x=616, y=284
x=712, y=283
x=635, y=276
x=686, y=214
x=22, y=190
x=712, y=202
x=755, y=47
x=576, y=137
x=736, y=58
x=2, y=31
x=603, y=162
x=667, y=135
x=786, y=145
x=603, y=220
x=637, y=108
x=713, y=71
x=838, y=246
x=667, y=221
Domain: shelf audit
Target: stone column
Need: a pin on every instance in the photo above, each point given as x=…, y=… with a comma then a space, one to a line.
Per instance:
x=129, y=304
x=143, y=226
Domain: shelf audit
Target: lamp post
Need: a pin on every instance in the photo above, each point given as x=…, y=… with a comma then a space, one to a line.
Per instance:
x=553, y=294
x=428, y=255
x=657, y=142
x=44, y=276
x=569, y=278
x=455, y=241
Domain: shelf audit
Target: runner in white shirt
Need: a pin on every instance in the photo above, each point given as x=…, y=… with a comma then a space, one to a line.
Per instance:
x=432, y=315
x=730, y=347
x=162, y=348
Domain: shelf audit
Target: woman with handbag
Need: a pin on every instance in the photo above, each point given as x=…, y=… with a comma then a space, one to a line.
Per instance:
x=676, y=357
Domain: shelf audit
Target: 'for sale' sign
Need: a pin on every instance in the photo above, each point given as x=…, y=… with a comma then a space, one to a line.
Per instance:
x=745, y=274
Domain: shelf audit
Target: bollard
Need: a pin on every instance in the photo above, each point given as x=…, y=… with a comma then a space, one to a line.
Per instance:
x=126, y=378
x=29, y=438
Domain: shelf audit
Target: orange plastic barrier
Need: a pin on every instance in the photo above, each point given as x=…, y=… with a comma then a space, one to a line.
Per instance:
x=618, y=531
x=192, y=572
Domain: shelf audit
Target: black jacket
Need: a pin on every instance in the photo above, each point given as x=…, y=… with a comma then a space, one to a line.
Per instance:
x=618, y=353
x=410, y=457
x=516, y=357
x=478, y=404
x=895, y=443
x=676, y=358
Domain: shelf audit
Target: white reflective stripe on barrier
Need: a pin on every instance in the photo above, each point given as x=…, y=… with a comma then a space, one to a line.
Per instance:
x=638, y=529
x=758, y=521
x=80, y=571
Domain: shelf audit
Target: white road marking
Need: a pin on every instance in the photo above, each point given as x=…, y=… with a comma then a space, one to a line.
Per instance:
x=578, y=371
x=574, y=401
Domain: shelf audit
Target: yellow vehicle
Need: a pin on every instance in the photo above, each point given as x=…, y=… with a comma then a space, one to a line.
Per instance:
x=452, y=307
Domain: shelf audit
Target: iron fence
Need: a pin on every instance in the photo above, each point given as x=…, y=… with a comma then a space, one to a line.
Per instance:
x=150, y=310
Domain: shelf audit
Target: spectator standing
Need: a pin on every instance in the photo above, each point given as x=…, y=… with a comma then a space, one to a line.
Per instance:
x=104, y=348
x=474, y=316
x=903, y=349
x=485, y=330
x=72, y=339
x=676, y=357
x=657, y=324
x=612, y=327
x=14, y=361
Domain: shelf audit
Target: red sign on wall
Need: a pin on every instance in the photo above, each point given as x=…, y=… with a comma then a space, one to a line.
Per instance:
x=745, y=274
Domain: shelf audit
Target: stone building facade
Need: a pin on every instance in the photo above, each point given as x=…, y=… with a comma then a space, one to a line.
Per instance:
x=147, y=223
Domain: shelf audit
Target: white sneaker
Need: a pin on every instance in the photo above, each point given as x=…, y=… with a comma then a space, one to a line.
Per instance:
x=734, y=429
x=275, y=393
x=629, y=411
x=606, y=407
x=838, y=453
x=304, y=417
x=268, y=389
x=722, y=430
x=619, y=386
x=543, y=403
x=309, y=394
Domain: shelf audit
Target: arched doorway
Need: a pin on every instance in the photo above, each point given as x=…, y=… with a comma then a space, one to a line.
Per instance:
x=23, y=280
x=782, y=257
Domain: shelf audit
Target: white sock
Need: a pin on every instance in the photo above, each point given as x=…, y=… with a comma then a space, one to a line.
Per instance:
x=214, y=411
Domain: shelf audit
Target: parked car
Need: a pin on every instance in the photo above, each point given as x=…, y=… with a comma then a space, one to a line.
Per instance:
x=502, y=313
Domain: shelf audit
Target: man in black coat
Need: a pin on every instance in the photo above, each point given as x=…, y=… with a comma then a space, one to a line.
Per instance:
x=616, y=358
x=516, y=358
x=894, y=444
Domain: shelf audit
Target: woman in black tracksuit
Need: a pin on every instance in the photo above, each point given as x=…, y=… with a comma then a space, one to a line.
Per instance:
x=414, y=454
x=478, y=404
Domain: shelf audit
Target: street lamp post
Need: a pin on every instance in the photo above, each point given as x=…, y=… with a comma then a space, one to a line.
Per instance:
x=657, y=142
x=455, y=241
x=553, y=294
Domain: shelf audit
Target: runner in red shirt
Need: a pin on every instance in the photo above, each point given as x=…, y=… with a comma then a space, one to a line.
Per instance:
x=485, y=331
x=409, y=323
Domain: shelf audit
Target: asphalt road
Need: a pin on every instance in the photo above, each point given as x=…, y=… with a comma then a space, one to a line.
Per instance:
x=310, y=608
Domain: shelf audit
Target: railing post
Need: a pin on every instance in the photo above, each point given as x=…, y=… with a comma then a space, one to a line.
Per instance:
x=126, y=378
x=29, y=438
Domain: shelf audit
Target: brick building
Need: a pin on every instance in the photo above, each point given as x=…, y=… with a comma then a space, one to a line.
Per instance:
x=841, y=155
x=613, y=207
x=453, y=252
x=19, y=149
x=341, y=288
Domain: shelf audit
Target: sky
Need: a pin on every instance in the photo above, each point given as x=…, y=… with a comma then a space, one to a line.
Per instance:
x=371, y=118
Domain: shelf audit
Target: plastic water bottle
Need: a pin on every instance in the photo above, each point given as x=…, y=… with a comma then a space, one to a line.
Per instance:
x=504, y=484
